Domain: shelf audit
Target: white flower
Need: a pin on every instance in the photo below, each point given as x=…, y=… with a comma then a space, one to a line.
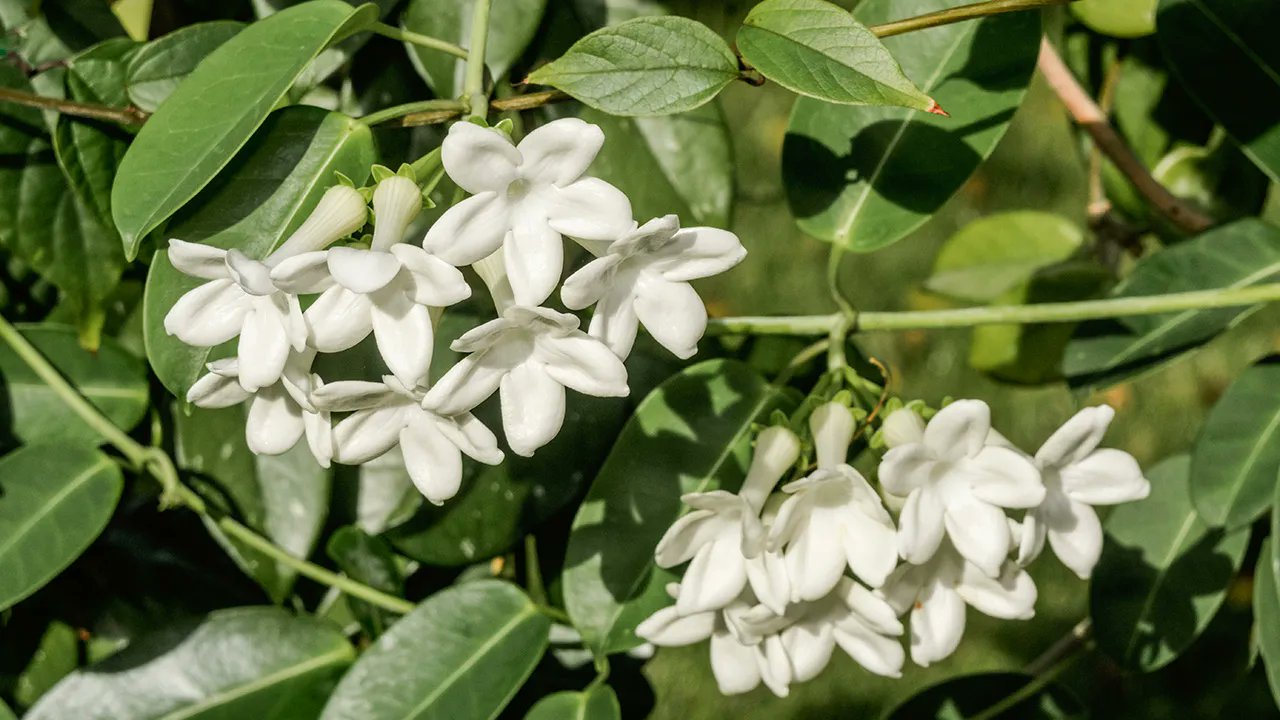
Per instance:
x=388, y=290
x=1078, y=475
x=388, y=414
x=857, y=620
x=902, y=426
x=279, y=414
x=955, y=483
x=529, y=355
x=644, y=279
x=936, y=592
x=241, y=298
x=723, y=534
x=524, y=197
x=833, y=517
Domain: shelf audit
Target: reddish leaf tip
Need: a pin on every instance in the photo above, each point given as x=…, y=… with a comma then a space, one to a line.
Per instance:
x=936, y=109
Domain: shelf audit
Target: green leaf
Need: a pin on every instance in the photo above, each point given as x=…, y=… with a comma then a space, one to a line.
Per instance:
x=1163, y=573
x=284, y=497
x=1232, y=256
x=255, y=204
x=968, y=696
x=54, y=500
x=1266, y=610
x=461, y=655
x=817, y=49
x=691, y=434
x=369, y=560
x=1237, y=455
x=645, y=66
x=252, y=662
x=214, y=112
x=598, y=703
x=111, y=379
x=680, y=164
x=1225, y=54
x=511, y=27
x=6, y=713
x=1117, y=18
x=995, y=254
x=867, y=176
x=56, y=657
x=158, y=67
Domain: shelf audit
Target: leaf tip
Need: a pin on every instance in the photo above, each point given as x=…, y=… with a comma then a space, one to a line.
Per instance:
x=936, y=109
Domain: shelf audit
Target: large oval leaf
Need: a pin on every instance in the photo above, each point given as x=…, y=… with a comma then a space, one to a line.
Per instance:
x=260, y=663
x=112, y=379
x=1163, y=573
x=158, y=67
x=1266, y=611
x=1243, y=253
x=256, y=202
x=995, y=254
x=815, y=48
x=598, y=703
x=54, y=500
x=460, y=655
x=217, y=108
x=646, y=66
x=865, y=177
x=511, y=28
x=968, y=696
x=1237, y=455
x=689, y=435
x=1225, y=54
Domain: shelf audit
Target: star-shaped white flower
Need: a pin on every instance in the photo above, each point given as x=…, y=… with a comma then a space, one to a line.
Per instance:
x=936, y=593
x=529, y=355
x=387, y=414
x=644, y=279
x=1077, y=476
x=524, y=198
x=723, y=534
x=279, y=414
x=241, y=298
x=388, y=290
x=956, y=484
x=834, y=517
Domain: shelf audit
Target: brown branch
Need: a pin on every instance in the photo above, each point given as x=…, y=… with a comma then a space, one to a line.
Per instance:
x=93, y=111
x=1090, y=117
x=515, y=103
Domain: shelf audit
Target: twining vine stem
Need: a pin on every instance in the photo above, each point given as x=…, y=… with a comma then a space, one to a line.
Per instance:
x=960, y=14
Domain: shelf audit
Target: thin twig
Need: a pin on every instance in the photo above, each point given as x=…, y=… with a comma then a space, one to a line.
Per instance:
x=516, y=103
x=959, y=14
x=94, y=111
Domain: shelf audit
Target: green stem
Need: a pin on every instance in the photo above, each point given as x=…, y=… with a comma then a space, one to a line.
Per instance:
x=1061, y=660
x=423, y=41
x=959, y=14
x=473, y=84
x=533, y=571
x=818, y=325
x=452, y=107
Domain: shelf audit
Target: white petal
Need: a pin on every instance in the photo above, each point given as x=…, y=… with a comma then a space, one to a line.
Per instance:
x=1011, y=595
x=870, y=608
x=1077, y=437
x=467, y=384
x=699, y=252
x=589, y=284
x=767, y=575
x=434, y=282
x=877, y=653
x=920, y=527
x=979, y=532
x=870, y=547
x=832, y=426
x=532, y=408
x=672, y=313
x=341, y=211
x=1106, y=477
x=274, y=422
x=590, y=209
x=209, y=314
x=479, y=159
x=484, y=336
x=733, y=664
x=686, y=536
x=615, y=321
x=937, y=625
x=669, y=628
x=906, y=468
x=351, y=395
x=1031, y=539
x=366, y=434
x=217, y=391
x=404, y=335
x=471, y=230
x=958, y=430
x=1003, y=477
x=814, y=562
x=776, y=451
x=473, y=438
x=362, y=271
x=397, y=200
x=339, y=319
x=252, y=275
x=714, y=579
x=560, y=151
x=775, y=668
x=583, y=363
x=303, y=274
x=534, y=257
x=902, y=427
x=263, y=348
x=319, y=433
x=196, y=260
x=434, y=463
x=1075, y=536
x=810, y=646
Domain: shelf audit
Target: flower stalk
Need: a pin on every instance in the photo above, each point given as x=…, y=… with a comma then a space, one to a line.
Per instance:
x=473, y=83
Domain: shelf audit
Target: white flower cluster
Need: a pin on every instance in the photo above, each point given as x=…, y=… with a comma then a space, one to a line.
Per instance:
x=524, y=200
x=767, y=581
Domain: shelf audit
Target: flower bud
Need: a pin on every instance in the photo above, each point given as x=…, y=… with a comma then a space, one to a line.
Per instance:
x=340, y=212
x=832, y=427
x=777, y=449
x=902, y=427
x=396, y=202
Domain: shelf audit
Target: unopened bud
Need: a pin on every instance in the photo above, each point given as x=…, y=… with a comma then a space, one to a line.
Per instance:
x=902, y=427
x=396, y=202
x=340, y=212
x=832, y=427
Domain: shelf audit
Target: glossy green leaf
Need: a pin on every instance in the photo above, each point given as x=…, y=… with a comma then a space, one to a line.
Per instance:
x=867, y=176
x=995, y=254
x=217, y=108
x=1266, y=611
x=817, y=49
x=256, y=202
x=693, y=433
x=968, y=696
x=1236, y=255
x=284, y=497
x=680, y=164
x=54, y=500
x=1163, y=572
x=1117, y=18
x=252, y=662
x=56, y=657
x=598, y=703
x=511, y=27
x=1237, y=455
x=460, y=655
x=159, y=66
x=112, y=379
x=1225, y=54
x=646, y=66
x=369, y=560
x=6, y=713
